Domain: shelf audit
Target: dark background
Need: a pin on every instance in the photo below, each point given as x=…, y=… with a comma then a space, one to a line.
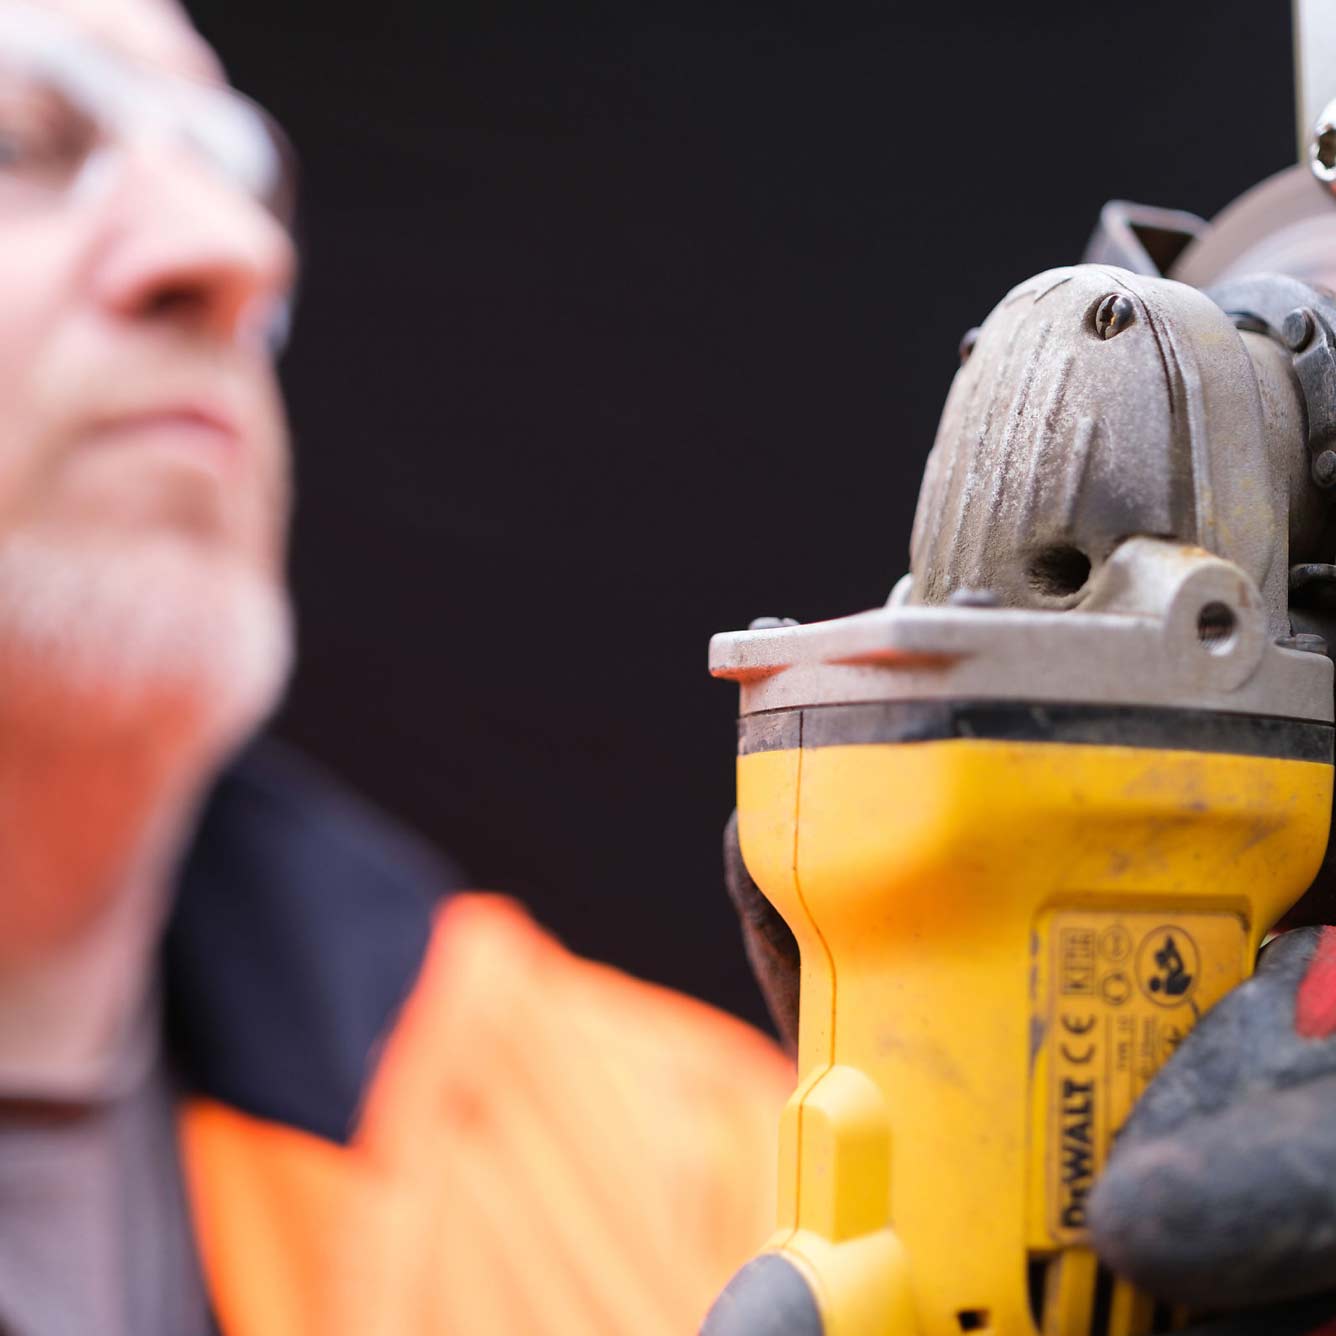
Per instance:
x=625, y=323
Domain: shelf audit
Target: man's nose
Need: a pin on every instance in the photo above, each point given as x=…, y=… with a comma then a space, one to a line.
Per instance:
x=185, y=247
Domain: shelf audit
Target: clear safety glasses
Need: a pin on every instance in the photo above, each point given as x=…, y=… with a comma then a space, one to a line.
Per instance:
x=70, y=109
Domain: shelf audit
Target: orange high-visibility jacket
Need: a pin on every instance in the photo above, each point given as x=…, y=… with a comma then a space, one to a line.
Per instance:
x=423, y=1117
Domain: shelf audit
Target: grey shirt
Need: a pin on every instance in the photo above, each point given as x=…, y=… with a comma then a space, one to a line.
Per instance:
x=95, y=1235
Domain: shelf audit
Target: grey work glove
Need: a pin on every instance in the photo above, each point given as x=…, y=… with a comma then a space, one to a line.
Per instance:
x=770, y=944
x=1220, y=1192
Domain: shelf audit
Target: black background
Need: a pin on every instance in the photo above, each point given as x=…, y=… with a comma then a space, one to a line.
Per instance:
x=624, y=323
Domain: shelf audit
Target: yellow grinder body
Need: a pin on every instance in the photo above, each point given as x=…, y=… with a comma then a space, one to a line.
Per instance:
x=1002, y=939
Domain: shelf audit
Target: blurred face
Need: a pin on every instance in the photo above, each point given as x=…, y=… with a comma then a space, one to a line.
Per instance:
x=143, y=450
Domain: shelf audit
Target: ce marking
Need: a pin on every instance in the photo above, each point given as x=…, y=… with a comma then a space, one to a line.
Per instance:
x=1079, y=1028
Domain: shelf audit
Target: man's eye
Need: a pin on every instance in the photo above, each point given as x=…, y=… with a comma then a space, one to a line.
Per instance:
x=25, y=152
x=43, y=141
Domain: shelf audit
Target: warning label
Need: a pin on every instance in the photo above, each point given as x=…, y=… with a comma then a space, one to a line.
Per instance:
x=1114, y=995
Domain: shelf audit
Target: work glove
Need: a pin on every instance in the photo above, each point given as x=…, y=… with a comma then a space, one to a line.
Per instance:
x=1220, y=1193
x=771, y=947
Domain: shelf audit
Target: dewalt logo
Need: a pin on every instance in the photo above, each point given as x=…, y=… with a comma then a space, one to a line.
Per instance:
x=1077, y=1151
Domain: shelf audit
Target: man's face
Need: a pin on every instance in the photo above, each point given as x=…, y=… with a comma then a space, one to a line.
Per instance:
x=141, y=412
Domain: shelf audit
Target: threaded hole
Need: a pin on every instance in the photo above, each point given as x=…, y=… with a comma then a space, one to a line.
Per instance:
x=1059, y=572
x=1215, y=626
x=1325, y=149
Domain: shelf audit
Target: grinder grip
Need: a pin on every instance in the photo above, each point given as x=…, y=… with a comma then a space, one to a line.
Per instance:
x=1001, y=939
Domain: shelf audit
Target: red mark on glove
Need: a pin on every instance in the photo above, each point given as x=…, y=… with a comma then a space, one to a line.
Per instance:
x=1315, y=1004
x=1327, y=1328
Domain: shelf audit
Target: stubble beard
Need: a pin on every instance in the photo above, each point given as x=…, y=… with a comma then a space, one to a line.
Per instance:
x=116, y=632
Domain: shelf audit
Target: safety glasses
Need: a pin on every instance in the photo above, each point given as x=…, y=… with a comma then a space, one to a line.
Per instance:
x=70, y=108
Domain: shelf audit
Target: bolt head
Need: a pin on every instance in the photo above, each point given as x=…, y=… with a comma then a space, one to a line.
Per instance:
x=771, y=623
x=973, y=598
x=1298, y=328
x=1324, y=468
x=1114, y=314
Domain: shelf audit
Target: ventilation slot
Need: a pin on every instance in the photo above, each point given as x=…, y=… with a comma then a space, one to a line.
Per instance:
x=1069, y=1295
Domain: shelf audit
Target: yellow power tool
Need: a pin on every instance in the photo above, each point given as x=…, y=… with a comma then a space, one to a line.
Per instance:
x=1033, y=817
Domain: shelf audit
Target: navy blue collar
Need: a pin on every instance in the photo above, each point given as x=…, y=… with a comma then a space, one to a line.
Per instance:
x=300, y=926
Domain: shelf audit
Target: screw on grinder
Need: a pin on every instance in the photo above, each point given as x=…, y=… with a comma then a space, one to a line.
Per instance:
x=1033, y=817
